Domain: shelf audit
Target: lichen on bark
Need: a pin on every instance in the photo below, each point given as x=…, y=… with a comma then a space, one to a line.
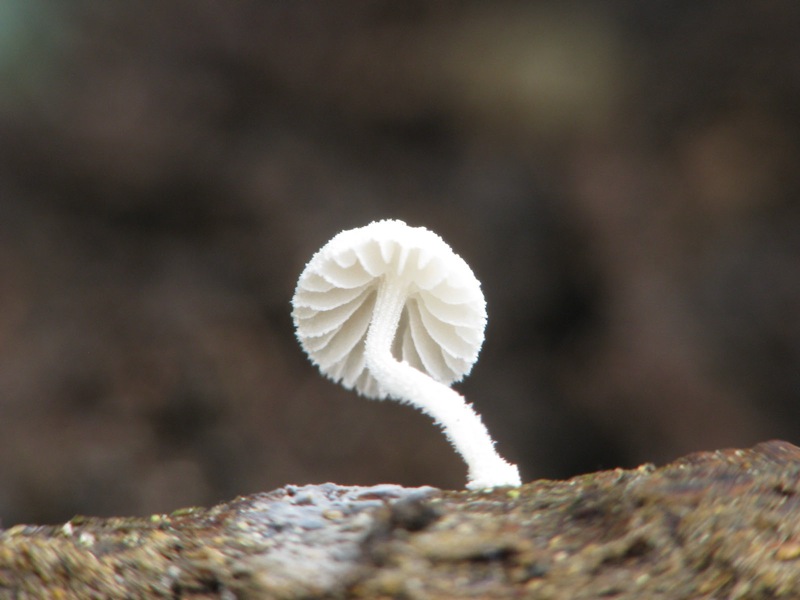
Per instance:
x=722, y=524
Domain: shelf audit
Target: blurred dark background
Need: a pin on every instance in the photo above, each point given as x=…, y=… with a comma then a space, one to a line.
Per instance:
x=621, y=175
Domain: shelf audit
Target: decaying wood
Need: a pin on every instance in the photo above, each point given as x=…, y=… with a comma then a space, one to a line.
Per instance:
x=716, y=525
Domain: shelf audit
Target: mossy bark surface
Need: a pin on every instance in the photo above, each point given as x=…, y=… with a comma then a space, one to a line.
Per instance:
x=716, y=525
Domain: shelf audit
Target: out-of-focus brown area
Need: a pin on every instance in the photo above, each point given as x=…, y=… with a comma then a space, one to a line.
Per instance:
x=622, y=177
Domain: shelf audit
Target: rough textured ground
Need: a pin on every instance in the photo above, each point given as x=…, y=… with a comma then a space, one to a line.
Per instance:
x=715, y=525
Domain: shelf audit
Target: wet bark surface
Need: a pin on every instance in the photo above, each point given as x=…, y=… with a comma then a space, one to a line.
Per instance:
x=722, y=524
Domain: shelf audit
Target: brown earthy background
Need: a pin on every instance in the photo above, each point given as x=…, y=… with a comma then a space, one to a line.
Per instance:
x=622, y=176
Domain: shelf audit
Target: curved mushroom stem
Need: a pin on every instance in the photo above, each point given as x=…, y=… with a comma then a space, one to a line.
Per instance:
x=461, y=424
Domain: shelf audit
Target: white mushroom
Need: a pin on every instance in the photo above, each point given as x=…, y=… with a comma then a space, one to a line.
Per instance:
x=393, y=312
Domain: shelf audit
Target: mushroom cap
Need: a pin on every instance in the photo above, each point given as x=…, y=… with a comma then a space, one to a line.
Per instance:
x=442, y=324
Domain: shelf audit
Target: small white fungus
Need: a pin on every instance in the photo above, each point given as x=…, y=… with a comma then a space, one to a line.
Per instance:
x=391, y=311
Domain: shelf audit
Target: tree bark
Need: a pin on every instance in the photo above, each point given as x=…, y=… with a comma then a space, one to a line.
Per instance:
x=722, y=524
